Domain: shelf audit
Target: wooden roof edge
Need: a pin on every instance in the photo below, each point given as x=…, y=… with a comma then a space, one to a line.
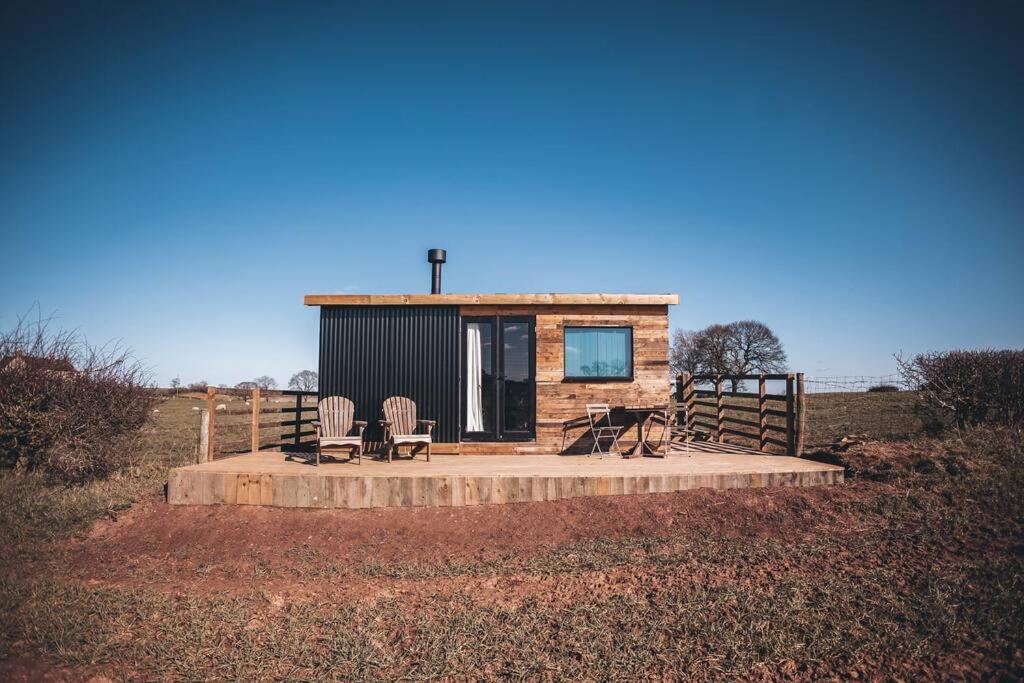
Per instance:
x=490, y=299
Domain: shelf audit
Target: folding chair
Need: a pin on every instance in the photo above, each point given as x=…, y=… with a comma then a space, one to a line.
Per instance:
x=601, y=427
x=677, y=436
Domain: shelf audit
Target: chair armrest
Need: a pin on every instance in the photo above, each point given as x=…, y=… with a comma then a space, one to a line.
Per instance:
x=316, y=427
x=315, y=423
x=359, y=423
x=427, y=422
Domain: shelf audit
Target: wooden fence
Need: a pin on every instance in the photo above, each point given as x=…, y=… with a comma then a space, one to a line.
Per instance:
x=288, y=426
x=767, y=420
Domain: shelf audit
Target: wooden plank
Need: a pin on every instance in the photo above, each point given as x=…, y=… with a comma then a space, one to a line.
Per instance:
x=708, y=393
x=255, y=482
x=231, y=487
x=242, y=491
x=490, y=299
x=711, y=378
x=266, y=489
x=183, y=488
x=286, y=491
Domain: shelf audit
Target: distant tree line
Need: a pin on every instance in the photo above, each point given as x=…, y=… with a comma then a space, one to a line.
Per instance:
x=304, y=380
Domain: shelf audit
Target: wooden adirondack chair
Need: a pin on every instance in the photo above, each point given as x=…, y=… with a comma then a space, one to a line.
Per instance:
x=400, y=426
x=334, y=428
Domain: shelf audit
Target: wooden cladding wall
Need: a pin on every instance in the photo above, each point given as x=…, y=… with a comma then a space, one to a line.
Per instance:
x=559, y=400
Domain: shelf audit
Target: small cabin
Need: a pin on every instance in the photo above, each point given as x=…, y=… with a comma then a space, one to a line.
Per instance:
x=500, y=373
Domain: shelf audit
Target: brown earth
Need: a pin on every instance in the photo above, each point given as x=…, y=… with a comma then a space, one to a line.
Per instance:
x=190, y=541
x=511, y=556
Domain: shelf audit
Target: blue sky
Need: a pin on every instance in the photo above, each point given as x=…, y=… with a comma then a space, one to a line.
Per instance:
x=178, y=176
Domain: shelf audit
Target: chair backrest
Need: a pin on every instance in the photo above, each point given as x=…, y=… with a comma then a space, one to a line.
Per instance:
x=598, y=412
x=401, y=413
x=336, y=415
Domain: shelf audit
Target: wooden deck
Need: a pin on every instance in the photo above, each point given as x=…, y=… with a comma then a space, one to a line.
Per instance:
x=268, y=478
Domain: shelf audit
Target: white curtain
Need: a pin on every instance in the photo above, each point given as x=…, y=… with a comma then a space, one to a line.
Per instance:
x=474, y=380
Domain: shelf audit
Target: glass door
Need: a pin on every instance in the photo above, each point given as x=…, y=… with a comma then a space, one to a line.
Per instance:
x=498, y=370
x=479, y=380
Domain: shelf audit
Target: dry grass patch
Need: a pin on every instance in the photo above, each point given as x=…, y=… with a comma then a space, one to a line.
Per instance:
x=912, y=569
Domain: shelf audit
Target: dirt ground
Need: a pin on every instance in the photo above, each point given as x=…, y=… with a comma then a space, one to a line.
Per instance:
x=859, y=549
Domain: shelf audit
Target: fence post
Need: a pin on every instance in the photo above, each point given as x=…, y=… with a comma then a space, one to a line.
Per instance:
x=801, y=403
x=720, y=400
x=762, y=414
x=298, y=419
x=255, y=419
x=211, y=395
x=686, y=397
x=790, y=432
x=204, y=436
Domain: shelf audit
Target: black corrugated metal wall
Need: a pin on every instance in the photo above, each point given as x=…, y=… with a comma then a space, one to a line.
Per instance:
x=369, y=353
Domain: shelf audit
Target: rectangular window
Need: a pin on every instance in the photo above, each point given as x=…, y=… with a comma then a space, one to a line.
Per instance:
x=598, y=353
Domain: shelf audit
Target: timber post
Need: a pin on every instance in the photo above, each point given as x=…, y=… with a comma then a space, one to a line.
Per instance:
x=686, y=397
x=790, y=421
x=762, y=414
x=211, y=395
x=801, y=405
x=204, y=436
x=255, y=419
x=720, y=405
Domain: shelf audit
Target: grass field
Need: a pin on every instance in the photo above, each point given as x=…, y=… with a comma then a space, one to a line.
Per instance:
x=912, y=569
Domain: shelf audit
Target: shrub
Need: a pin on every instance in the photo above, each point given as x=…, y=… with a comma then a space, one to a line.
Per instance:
x=68, y=409
x=883, y=388
x=970, y=387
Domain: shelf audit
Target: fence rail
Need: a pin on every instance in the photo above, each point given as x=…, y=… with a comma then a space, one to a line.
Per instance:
x=718, y=419
x=829, y=384
x=297, y=418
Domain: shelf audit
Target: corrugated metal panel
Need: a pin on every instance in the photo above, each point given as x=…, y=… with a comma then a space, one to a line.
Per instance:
x=369, y=353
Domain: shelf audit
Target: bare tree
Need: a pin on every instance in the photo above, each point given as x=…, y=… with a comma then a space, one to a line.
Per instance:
x=753, y=346
x=306, y=380
x=711, y=346
x=175, y=384
x=199, y=386
x=681, y=355
x=739, y=348
x=246, y=386
x=266, y=382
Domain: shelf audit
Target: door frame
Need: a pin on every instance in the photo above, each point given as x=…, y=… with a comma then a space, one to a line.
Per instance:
x=497, y=358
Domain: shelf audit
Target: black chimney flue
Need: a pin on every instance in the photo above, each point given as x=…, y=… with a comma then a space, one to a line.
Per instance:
x=436, y=257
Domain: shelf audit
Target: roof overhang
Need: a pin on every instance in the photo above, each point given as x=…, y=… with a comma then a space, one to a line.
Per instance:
x=491, y=299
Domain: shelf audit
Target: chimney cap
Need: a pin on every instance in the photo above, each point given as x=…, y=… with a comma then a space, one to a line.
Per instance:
x=436, y=255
